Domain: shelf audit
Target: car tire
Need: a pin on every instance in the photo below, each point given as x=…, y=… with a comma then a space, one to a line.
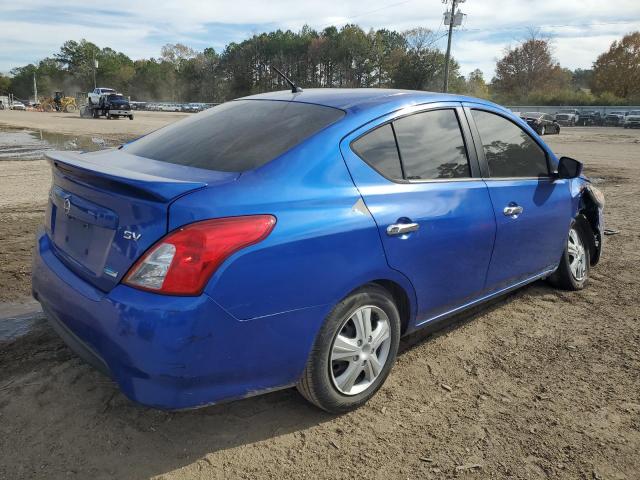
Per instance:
x=130, y=117
x=573, y=271
x=342, y=377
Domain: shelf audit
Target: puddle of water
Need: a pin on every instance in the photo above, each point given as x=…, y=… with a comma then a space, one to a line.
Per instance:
x=16, y=327
x=19, y=318
x=24, y=144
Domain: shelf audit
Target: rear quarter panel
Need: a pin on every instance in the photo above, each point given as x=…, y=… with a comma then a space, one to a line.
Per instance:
x=321, y=247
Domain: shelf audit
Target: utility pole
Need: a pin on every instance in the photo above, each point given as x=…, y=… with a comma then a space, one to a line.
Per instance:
x=35, y=89
x=95, y=67
x=454, y=20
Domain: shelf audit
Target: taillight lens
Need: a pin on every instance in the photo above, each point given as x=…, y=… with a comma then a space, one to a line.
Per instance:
x=182, y=262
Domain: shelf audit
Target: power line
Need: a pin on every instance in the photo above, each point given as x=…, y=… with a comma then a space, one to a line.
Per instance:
x=370, y=12
x=563, y=25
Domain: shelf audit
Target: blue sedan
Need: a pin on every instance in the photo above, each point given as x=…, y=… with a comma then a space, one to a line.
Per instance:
x=291, y=239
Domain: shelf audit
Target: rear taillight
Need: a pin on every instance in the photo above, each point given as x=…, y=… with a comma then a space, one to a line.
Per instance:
x=182, y=262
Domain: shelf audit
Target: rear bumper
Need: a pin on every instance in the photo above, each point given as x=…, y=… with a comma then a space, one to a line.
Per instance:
x=172, y=352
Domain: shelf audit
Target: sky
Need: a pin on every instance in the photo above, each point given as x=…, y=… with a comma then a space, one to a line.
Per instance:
x=579, y=29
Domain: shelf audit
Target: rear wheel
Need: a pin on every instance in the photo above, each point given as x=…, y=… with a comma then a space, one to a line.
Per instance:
x=573, y=271
x=354, y=351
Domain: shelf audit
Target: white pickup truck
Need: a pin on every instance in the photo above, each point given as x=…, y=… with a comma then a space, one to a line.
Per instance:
x=568, y=117
x=94, y=96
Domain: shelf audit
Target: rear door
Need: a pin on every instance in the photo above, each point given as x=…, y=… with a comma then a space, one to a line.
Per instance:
x=419, y=178
x=532, y=208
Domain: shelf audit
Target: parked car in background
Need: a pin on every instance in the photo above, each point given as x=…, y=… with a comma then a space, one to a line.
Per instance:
x=568, y=117
x=169, y=107
x=192, y=107
x=180, y=266
x=614, y=119
x=632, y=120
x=15, y=105
x=542, y=123
x=136, y=105
x=590, y=118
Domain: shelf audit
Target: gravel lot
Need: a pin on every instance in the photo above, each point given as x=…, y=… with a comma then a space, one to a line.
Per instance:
x=540, y=384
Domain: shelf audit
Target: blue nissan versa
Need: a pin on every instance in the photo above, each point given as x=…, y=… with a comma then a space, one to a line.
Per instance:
x=292, y=238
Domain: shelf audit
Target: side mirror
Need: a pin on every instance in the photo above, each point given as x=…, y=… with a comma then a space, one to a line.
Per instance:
x=569, y=168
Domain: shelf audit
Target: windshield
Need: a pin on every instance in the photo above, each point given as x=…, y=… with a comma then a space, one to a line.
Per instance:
x=236, y=136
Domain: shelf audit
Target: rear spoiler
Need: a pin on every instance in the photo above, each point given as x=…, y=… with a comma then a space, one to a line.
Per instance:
x=109, y=175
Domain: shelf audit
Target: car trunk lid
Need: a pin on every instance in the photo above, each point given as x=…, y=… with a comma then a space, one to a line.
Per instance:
x=107, y=208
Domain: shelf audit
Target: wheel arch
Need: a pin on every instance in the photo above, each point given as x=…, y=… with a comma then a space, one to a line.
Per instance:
x=401, y=299
x=403, y=294
x=589, y=215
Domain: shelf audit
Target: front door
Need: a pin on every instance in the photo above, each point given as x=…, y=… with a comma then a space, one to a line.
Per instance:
x=420, y=181
x=532, y=208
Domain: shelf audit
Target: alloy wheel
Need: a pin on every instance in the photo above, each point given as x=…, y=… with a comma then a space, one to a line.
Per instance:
x=360, y=350
x=577, y=255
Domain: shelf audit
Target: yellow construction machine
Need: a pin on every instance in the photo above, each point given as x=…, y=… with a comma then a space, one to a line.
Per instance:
x=59, y=103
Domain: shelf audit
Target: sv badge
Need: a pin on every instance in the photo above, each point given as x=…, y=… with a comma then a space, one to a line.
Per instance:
x=129, y=235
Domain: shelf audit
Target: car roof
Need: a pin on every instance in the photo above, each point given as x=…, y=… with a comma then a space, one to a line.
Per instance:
x=360, y=100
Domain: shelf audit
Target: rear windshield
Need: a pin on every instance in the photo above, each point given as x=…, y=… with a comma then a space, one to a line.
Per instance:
x=236, y=136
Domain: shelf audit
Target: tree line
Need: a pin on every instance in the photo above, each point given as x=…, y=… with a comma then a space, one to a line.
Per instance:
x=334, y=57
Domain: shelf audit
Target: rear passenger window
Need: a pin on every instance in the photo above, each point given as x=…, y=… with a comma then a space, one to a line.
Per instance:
x=508, y=149
x=431, y=146
x=378, y=149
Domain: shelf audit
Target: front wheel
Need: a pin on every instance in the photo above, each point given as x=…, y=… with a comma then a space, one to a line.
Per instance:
x=354, y=351
x=573, y=271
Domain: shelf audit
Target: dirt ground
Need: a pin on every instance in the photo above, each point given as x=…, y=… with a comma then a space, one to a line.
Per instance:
x=71, y=123
x=541, y=384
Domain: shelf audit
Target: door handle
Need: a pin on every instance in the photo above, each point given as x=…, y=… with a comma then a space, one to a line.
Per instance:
x=512, y=210
x=402, y=228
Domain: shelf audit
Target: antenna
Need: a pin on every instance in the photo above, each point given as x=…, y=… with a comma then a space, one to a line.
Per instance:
x=294, y=87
